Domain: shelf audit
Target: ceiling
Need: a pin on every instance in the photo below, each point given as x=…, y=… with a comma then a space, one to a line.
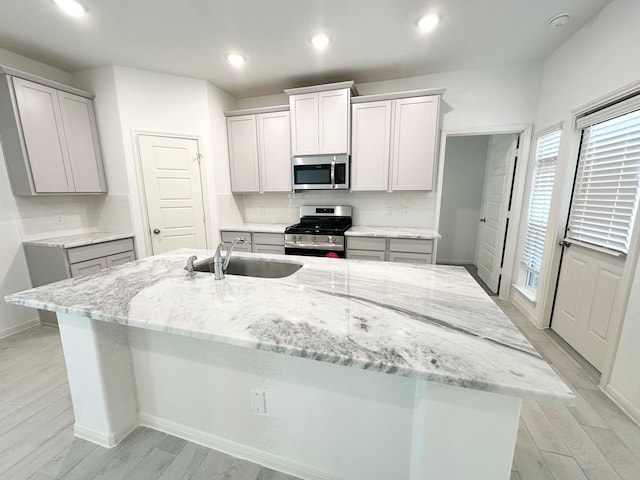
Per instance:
x=372, y=40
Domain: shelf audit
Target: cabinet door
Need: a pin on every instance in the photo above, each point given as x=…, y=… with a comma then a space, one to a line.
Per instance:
x=120, y=258
x=275, y=151
x=272, y=249
x=416, y=258
x=414, y=142
x=90, y=266
x=334, y=113
x=304, y=123
x=371, y=140
x=43, y=133
x=243, y=154
x=81, y=133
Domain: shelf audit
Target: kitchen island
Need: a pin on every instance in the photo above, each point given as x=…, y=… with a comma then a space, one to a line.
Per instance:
x=369, y=370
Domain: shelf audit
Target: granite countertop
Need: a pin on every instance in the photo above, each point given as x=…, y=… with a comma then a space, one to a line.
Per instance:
x=431, y=322
x=354, y=231
x=79, y=240
x=392, y=232
x=256, y=227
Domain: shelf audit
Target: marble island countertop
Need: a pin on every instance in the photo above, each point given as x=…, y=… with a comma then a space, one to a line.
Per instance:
x=431, y=322
x=78, y=240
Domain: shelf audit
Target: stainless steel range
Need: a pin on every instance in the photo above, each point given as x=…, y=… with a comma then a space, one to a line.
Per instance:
x=320, y=232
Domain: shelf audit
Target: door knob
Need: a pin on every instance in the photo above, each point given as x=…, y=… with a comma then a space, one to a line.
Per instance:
x=156, y=231
x=483, y=220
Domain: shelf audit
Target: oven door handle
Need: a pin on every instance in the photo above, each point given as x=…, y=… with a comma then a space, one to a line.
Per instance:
x=312, y=246
x=333, y=174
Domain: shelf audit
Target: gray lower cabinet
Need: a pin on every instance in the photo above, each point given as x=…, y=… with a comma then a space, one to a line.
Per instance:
x=48, y=264
x=272, y=243
x=401, y=250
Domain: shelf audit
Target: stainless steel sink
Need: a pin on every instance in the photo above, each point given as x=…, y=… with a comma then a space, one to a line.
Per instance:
x=250, y=267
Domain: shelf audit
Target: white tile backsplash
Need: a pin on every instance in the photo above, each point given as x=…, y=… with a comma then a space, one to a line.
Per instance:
x=55, y=215
x=113, y=213
x=380, y=209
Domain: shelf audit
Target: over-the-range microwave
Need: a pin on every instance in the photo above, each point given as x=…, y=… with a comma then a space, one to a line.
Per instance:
x=321, y=172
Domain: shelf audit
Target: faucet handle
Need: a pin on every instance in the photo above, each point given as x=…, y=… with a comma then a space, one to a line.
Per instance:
x=189, y=267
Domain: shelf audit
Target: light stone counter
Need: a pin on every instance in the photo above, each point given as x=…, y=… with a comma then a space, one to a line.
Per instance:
x=393, y=232
x=429, y=322
x=255, y=227
x=79, y=240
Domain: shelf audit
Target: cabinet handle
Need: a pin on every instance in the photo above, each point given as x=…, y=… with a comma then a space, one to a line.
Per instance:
x=156, y=231
x=483, y=220
x=564, y=243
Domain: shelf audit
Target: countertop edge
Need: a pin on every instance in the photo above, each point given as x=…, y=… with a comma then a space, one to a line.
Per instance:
x=60, y=242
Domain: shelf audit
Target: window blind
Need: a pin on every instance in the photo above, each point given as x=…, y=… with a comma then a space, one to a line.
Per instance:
x=605, y=195
x=547, y=148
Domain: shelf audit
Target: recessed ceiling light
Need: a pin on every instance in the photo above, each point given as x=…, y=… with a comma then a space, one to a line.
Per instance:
x=428, y=22
x=320, y=41
x=235, y=59
x=559, y=20
x=71, y=7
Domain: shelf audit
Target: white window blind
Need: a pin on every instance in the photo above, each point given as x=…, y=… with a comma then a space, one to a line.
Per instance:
x=605, y=195
x=547, y=148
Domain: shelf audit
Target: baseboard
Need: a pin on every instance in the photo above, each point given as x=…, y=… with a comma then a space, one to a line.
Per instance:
x=623, y=403
x=7, y=332
x=107, y=440
x=523, y=304
x=234, y=449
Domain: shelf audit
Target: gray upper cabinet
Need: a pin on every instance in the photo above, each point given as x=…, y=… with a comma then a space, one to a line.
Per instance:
x=49, y=139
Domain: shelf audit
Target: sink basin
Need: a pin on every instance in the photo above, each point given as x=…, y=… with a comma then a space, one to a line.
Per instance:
x=249, y=267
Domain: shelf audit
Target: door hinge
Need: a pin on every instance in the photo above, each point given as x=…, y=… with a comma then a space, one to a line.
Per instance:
x=198, y=158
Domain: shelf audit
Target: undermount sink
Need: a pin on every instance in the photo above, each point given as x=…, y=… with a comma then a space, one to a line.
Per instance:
x=249, y=267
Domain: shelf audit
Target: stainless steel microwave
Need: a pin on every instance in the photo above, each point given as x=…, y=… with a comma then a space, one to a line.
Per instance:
x=321, y=172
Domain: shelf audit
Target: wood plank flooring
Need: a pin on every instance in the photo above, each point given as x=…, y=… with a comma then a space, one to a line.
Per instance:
x=591, y=440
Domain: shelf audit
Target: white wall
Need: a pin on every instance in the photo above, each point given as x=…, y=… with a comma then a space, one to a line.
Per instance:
x=14, y=275
x=594, y=62
x=139, y=100
x=474, y=100
x=464, y=167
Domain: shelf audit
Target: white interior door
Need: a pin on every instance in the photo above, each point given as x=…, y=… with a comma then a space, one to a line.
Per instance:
x=585, y=301
x=495, y=207
x=173, y=191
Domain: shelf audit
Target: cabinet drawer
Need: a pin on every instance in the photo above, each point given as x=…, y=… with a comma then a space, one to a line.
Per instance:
x=238, y=248
x=269, y=238
x=230, y=235
x=120, y=258
x=365, y=255
x=410, y=245
x=366, y=243
x=90, y=266
x=88, y=252
x=276, y=249
x=418, y=258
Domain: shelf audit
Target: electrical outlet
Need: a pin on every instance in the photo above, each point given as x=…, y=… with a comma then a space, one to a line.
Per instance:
x=258, y=405
x=262, y=211
x=57, y=220
x=405, y=210
x=389, y=211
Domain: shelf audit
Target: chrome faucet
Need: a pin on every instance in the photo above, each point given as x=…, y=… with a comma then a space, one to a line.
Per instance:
x=189, y=267
x=220, y=264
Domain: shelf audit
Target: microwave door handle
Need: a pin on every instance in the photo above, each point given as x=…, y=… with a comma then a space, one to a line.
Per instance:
x=333, y=174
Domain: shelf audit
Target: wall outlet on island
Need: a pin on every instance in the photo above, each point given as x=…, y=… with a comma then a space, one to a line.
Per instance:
x=258, y=405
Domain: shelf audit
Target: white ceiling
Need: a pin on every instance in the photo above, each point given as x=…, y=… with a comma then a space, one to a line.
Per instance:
x=371, y=39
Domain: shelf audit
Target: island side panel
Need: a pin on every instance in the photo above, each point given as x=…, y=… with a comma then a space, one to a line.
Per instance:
x=100, y=372
x=323, y=421
x=461, y=433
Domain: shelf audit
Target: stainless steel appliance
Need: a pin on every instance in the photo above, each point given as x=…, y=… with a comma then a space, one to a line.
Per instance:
x=321, y=172
x=320, y=232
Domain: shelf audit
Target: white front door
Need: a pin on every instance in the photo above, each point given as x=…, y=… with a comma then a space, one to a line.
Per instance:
x=585, y=301
x=173, y=192
x=495, y=208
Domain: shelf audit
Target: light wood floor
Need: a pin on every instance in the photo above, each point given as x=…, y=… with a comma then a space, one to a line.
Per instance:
x=591, y=440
